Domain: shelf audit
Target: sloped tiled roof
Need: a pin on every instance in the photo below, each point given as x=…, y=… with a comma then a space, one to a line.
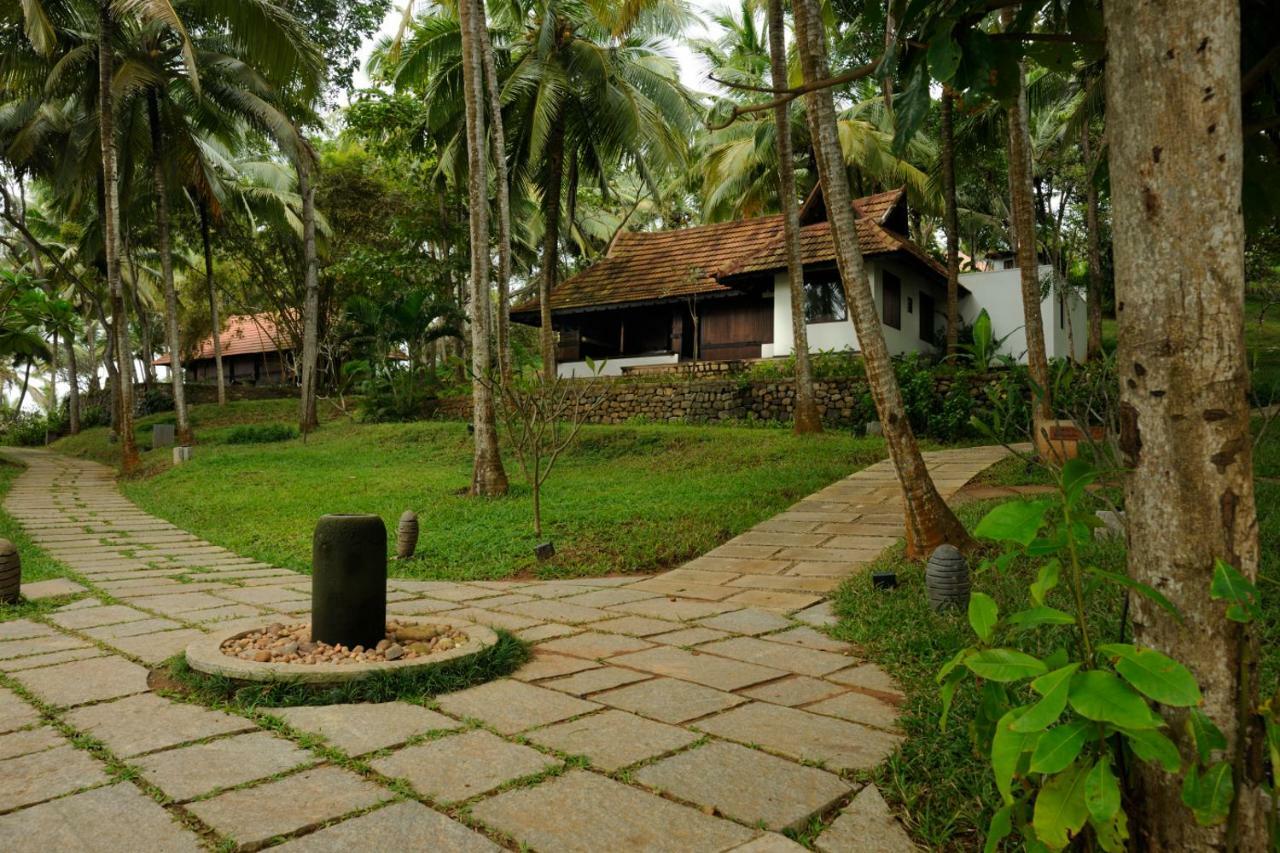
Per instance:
x=655, y=266
x=244, y=334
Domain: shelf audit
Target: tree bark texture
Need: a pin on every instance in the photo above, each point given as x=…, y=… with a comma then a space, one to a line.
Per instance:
x=73, y=387
x=807, y=419
x=952, y=222
x=929, y=521
x=502, y=199
x=1175, y=149
x=111, y=241
x=488, y=477
x=551, y=190
x=311, y=304
x=1022, y=205
x=214, y=319
x=166, y=271
x=1093, y=296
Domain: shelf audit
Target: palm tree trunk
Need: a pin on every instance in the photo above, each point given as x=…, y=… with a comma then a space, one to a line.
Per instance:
x=952, y=222
x=311, y=305
x=550, y=245
x=52, y=402
x=73, y=387
x=91, y=343
x=1175, y=152
x=111, y=239
x=929, y=521
x=488, y=477
x=214, y=320
x=1093, y=349
x=144, y=326
x=497, y=138
x=166, y=272
x=807, y=419
x=26, y=382
x=1024, y=228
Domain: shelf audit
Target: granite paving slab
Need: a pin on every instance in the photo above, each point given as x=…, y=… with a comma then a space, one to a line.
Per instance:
x=613, y=739
x=746, y=784
x=510, y=706
x=27, y=741
x=202, y=768
x=82, y=681
x=361, y=728
x=50, y=773
x=148, y=722
x=406, y=825
x=836, y=744
x=581, y=812
x=297, y=802
x=669, y=700
x=104, y=820
x=459, y=767
x=865, y=826
x=710, y=670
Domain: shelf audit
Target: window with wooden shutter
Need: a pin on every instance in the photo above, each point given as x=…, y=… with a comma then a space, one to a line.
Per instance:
x=892, y=292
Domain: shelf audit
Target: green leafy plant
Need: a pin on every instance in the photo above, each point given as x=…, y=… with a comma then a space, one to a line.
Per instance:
x=261, y=434
x=1058, y=728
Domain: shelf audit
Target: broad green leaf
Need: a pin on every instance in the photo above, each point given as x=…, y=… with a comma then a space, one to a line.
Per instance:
x=1112, y=834
x=1098, y=695
x=1205, y=735
x=1057, y=658
x=999, y=828
x=1053, y=688
x=953, y=663
x=1046, y=580
x=983, y=615
x=1154, y=675
x=1004, y=665
x=1007, y=747
x=1059, y=746
x=1015, y=521
x=948, y=692
x=1076, y=476
x=1150, y=745
x=1040, y=616
x=944, y=57
x=1060, y=810
x=1233, y=587
x=1102, y=790
x=1210, y=795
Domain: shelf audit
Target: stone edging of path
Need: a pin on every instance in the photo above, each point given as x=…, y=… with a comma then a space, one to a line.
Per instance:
x=703, y=700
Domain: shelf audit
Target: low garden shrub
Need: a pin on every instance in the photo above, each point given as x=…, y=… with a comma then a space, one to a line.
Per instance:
x=261, y=434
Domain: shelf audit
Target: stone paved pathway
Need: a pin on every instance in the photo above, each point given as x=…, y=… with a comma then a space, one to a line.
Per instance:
x=710, y=713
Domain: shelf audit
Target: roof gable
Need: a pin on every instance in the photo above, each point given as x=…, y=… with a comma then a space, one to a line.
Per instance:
x=244, y=334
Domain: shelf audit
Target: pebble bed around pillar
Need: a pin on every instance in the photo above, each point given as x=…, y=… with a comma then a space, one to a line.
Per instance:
x=349, y=580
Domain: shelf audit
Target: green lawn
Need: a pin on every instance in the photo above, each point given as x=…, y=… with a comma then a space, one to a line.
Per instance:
x=944, y=791
x=625, y=499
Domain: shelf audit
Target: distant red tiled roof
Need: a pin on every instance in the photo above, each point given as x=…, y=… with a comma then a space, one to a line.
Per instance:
x=244, y=334
x=650, y=266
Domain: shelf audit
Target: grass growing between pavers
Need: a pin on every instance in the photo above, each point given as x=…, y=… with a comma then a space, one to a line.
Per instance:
x=945, y=792
x=418, y=686
x=624, y=499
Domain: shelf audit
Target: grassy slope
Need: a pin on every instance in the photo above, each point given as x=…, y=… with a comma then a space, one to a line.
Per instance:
x=945, y=791
x=626, y=499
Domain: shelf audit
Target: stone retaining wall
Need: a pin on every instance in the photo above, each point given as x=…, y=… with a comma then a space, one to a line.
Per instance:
x=841, y=402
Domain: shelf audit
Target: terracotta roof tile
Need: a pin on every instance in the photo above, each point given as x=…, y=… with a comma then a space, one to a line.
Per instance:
x=243, y=334
x=659, y=265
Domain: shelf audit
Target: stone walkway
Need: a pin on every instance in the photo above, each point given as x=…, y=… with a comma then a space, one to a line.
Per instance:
x=697, y=710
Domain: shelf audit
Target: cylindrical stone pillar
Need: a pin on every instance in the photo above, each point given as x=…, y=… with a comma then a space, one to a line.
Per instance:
x=407, y=535
x=10, y=572
x=349, y=580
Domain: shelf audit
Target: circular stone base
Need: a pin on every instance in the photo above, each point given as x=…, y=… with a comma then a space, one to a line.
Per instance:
x=205, y=655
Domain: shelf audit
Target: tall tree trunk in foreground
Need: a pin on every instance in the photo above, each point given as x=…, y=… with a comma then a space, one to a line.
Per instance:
x=1093, y=350
x=502, y=197
x=807, y=418
x=26, y=383
x=1175, y=149
x=214, y=319
x=488, y=477
x=111, y=241
x=550, y=246
x=73, y=387
x=1024, y=228
x=952, y=222
x=311, y=304
x=166, y=271
x=51, y=404
x=929, y=521
x=91, y=343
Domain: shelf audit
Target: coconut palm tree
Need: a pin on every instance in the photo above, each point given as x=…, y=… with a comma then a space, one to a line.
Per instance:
x=929, y=521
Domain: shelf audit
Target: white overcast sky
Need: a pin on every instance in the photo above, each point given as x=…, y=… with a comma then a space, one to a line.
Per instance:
x=693, y=71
